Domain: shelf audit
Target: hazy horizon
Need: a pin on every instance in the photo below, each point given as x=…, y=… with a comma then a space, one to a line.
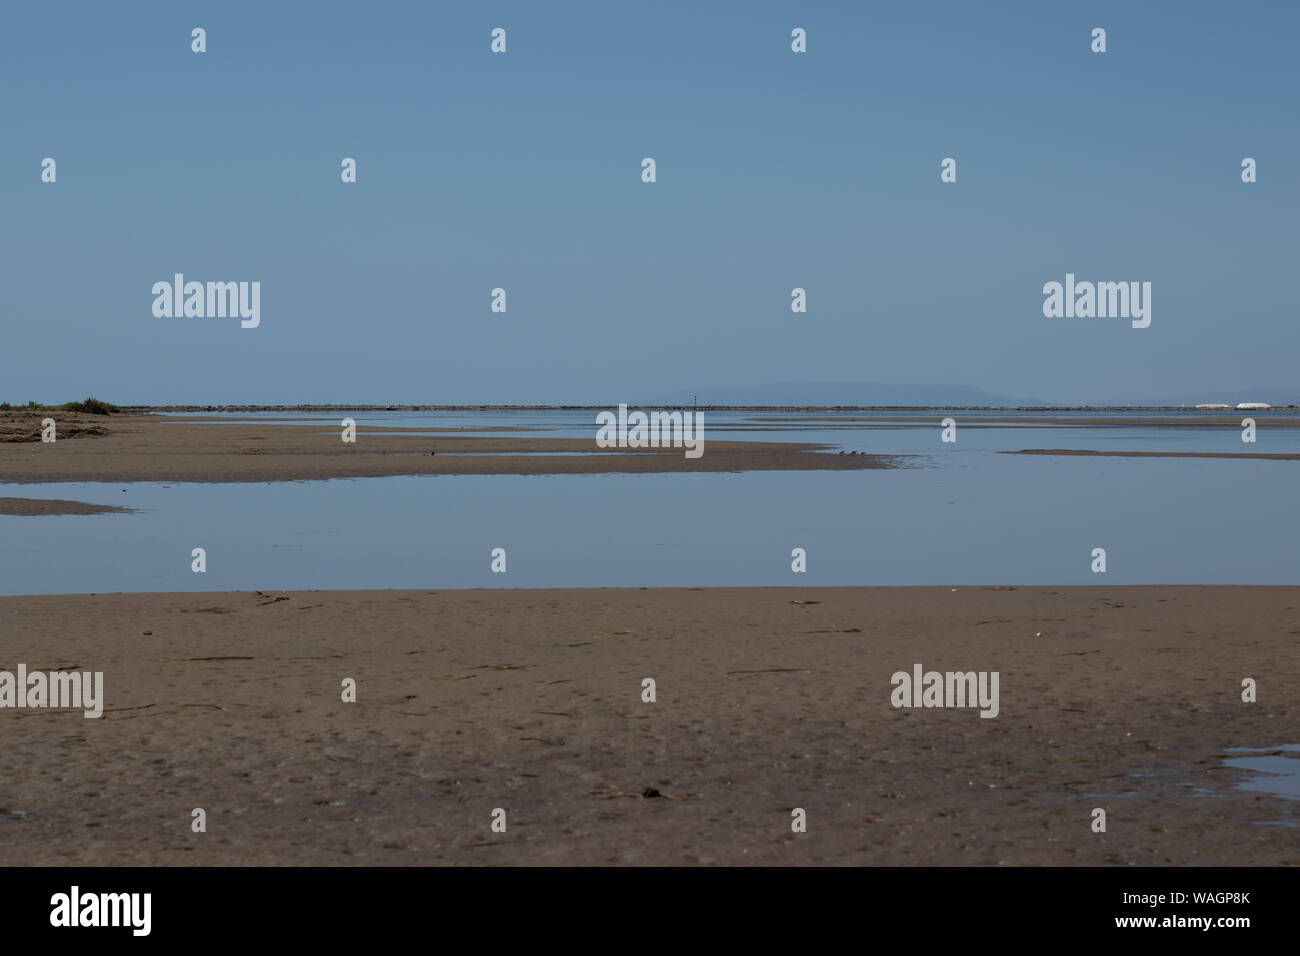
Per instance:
x=824, y=394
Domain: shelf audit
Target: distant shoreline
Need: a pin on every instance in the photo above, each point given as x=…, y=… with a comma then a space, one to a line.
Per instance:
x=703, y=408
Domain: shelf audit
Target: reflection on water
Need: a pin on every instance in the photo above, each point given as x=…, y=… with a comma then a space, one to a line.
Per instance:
x=968, y=517
x=1276, y=769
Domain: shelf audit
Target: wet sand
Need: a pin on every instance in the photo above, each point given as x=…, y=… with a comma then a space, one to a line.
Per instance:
x=55, y=506
x=120, y=448
x=1260, y=455
x=767, y=700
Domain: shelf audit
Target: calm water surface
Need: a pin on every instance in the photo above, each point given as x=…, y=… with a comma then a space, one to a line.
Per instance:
x=958, y=514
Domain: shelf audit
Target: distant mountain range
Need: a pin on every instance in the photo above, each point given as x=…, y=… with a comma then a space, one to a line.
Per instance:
x=941, y=396
x=847, y=393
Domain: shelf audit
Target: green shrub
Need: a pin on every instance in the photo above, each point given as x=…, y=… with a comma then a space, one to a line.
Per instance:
x=91, y=406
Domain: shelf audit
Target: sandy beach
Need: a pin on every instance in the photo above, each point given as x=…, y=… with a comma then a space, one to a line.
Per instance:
x=767, y=700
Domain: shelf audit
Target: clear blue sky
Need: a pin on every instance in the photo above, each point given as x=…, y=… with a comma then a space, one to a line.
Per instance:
x=522, y=170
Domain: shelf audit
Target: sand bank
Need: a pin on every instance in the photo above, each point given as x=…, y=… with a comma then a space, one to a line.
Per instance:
x=152, y=448
x=1262, y=455
x=55, y=506
x=767, y=700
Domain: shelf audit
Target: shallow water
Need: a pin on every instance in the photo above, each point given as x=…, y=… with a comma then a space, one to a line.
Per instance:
x=918, y=434
x=959, y=514
x=1276, y=769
